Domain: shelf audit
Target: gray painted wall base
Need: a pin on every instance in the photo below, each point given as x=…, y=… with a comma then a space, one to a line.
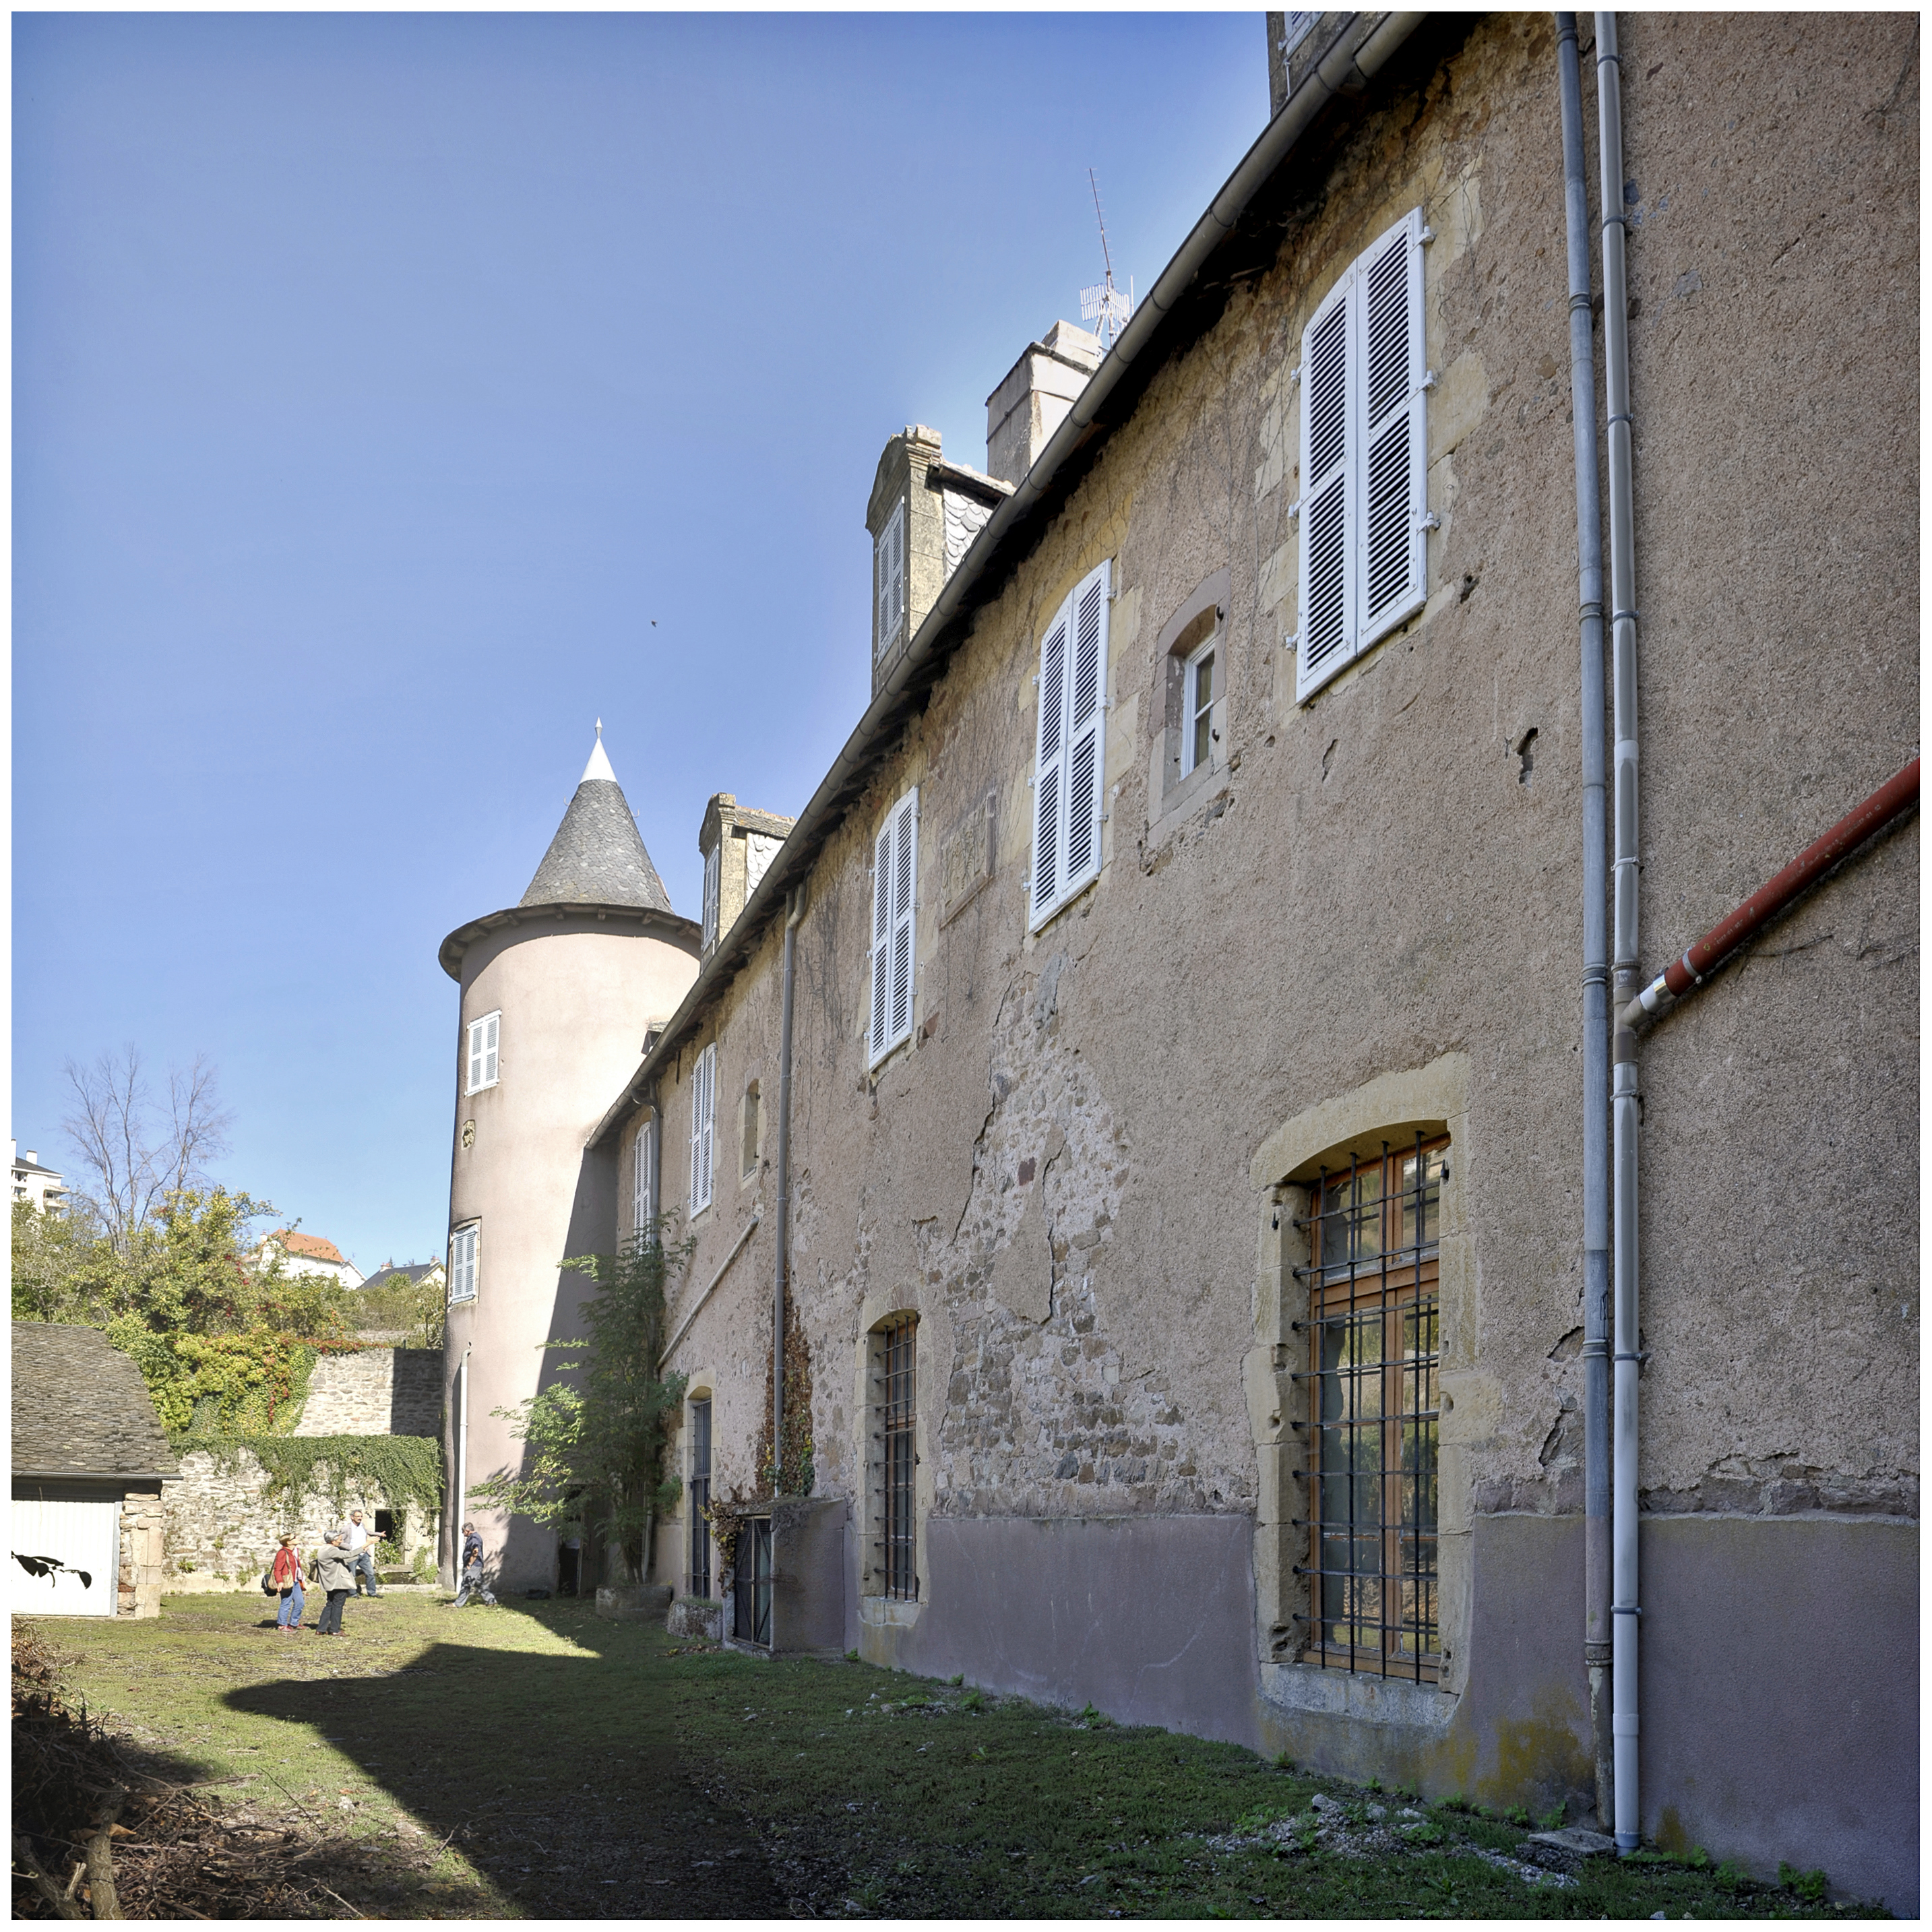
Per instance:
x=1780, y=1678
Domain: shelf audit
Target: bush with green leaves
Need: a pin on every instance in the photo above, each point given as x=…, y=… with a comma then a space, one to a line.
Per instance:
x=594, y=1443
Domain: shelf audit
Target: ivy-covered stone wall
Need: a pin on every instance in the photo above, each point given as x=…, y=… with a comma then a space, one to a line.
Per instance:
x=225, y=1514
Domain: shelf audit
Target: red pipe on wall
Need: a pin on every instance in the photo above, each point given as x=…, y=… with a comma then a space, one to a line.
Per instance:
x=1895, y=797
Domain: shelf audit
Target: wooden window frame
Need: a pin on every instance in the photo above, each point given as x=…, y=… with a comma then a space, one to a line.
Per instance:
x=1197, y=712
x=1385, y=1289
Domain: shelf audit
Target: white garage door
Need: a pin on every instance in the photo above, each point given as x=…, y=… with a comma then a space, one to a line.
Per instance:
x=84, y=1532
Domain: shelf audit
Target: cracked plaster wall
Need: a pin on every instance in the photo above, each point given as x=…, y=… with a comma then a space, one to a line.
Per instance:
x=1055, y=1174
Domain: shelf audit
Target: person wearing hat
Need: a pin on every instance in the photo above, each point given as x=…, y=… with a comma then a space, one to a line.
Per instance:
x=285, y=1572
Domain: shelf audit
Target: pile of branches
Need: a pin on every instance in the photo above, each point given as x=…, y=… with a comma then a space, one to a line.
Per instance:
x=96, y=1837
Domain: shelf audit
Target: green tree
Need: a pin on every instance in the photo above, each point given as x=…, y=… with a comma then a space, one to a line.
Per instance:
x=223, y=1346
x=595, y=1444
x=393, y=1302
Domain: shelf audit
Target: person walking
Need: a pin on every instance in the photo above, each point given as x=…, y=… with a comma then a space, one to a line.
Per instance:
x=361, y=1552
x=473, y=1584
x=332, y=1572
x=286, y=1573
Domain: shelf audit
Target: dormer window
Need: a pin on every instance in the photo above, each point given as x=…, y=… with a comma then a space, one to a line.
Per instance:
x=889, y=584
x=709, y=937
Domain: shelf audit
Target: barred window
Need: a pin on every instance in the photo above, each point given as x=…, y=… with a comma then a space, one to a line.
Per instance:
x=751, y=1582
x=1374, y=1344
x=700, y=1498
x=897, y=1388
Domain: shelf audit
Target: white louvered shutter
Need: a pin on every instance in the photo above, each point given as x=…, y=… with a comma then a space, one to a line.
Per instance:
x=1364, y=457
x=692, y=1202
x=490, y=1026
x=1395, y=481
x=889, y=569
x=1327, y=625
x=641, y=1182
x=473, y=1077
x=1086, y=731
x=905, y=878
x=1049, y=776
x=882, y=936
x=894, y=888
x=708, y=1066
x=709, y=937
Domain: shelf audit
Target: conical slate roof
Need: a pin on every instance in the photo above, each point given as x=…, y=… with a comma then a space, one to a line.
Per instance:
x=597, y=856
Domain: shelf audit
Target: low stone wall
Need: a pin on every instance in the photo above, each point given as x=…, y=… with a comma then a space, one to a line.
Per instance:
x=375, y=1392
x=221, y=1526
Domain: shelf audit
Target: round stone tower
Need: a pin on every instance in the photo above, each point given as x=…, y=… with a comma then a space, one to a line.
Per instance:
x=558, y=992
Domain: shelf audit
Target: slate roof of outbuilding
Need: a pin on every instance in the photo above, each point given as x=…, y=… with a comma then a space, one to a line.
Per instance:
x=80, y=1408
x=412, y=1271
x=597, y=856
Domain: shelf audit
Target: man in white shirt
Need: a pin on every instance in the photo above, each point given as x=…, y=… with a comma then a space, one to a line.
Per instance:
x=361, y=1552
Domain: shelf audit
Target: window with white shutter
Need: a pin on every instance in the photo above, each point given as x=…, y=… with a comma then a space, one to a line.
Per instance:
x=889, y=582
x=640, y=1183
x=1364, y=506
x=482, y=1053
x=895, y=902
x=708, y=938
x=703, y=1094
x=1070, y=754
x=463, y=1265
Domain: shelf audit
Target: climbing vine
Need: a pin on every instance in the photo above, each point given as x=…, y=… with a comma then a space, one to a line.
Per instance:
x=727, y=1514
x=405, y=1469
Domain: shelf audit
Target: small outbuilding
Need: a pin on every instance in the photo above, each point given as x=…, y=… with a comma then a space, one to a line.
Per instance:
x=90, y=1456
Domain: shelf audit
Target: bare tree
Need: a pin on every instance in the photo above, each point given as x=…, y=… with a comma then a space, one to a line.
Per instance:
x=135, y=1150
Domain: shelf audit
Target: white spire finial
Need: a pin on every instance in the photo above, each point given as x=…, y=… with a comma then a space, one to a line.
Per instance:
x=599, y=766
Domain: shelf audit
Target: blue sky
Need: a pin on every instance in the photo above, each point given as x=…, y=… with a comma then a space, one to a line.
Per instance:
x=378, y=380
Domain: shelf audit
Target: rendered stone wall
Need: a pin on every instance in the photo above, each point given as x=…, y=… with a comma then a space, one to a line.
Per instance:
x=1060, y=1175
x=221, y=1526
x=375, y=1392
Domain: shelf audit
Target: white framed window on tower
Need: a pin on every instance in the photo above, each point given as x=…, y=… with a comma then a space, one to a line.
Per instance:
x=889, y=583
x=463, y=1265
x=1070, y=754
x=704, y=1098
x=1197, y=714
x=1364, y=506
x=895, y=903
x=641, y=1210
x=482, y=1053
x=708, y=938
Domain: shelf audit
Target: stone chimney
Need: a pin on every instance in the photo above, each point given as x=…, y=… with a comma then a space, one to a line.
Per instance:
x=922, y=516
x=1023, y=412
x=737, y=844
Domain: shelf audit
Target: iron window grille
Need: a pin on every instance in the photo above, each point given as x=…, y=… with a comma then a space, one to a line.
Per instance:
x=901, y=1458
x=751, y=1584
x=700, y=1578
x=1374, y=1335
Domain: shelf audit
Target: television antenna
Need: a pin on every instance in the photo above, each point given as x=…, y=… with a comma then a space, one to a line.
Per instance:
x=1103, y=303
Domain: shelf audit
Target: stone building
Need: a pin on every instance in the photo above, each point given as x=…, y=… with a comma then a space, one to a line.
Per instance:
x=90, y=1458
x=1192, y=1195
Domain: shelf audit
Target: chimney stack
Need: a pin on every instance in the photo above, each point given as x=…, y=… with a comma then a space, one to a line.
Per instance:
x=1023, y=411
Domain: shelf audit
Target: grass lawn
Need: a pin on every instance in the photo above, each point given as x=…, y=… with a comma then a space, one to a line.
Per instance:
x=533, y=1760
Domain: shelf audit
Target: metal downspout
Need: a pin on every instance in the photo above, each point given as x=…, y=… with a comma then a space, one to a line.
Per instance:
x=1624, y=1612
x=1596, y=938
x=781, y=1246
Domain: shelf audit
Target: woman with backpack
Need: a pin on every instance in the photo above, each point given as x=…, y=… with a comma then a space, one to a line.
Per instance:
x=285, y=1574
